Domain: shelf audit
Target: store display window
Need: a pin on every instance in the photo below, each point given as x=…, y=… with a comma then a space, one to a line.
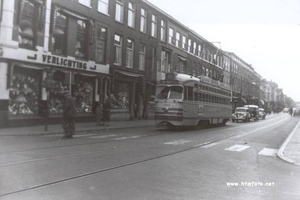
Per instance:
x=83, y=91
x=120, y=96
x=24, y=91
x=56, y=99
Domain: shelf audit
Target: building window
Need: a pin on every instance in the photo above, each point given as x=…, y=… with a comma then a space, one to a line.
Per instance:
x=143, y=20
x=29, y=23
x=81, y=43
x=182, y=65
x=59, y=35
x=103, y=6
x=129, y=53
x=118, y=50
x=154, y=26
x=101, y=44
x=199, y=50
x=171, y=35
x=163, y=30
x=119, y=11
x=178, y=39
x=142, y=57
x=183, y=42
x=194, y=48
x=131, y=15
x=190, y=46
x=165, y=61
x=85, y=2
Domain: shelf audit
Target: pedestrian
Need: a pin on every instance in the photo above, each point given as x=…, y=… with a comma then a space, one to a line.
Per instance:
x=69, y=115
x=99, y=115
x=106, y=111
x=291, y=111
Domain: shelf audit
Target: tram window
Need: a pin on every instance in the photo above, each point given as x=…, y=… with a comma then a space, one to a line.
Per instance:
x=162, y=92
x=196, y=95
x=175, y=92
x=200, y=97
x=190, y=93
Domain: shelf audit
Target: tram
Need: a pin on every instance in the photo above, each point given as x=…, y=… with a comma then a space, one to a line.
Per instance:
x=183, y=100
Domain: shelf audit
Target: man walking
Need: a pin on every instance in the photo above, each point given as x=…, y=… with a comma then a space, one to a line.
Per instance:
x=69, y=115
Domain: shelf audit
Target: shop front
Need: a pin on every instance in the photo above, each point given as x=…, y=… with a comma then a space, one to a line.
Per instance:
x=127, y=95
x=35, y=92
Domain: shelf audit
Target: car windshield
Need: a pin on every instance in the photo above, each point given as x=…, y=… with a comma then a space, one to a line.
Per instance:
x=240, y=110
x=169, y=92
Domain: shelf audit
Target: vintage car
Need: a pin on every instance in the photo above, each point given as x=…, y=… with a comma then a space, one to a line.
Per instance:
x=254, y=111
x=241, y=114
x=261, y=114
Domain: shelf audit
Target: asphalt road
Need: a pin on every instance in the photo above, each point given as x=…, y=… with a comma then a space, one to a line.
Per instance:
x=237, y=161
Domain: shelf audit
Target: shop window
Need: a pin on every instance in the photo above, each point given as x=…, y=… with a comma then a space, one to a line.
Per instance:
x=59, y=35
x=142, y=57
x=118, y=50
x=30, y=20
x=131, y=15
x=129, y=53
x=83, y=90
x=101, y=44
x=56, y=99
x=120, y=97
x=24, y=91
x=81, y=43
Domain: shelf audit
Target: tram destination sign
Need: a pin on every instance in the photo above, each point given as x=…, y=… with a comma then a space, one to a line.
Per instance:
x=169, y=81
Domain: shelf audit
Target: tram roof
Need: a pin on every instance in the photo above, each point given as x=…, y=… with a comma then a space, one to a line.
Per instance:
x=184, y=78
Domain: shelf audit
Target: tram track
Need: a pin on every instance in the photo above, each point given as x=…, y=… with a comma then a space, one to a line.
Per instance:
x=109, y=141
x=87, y=174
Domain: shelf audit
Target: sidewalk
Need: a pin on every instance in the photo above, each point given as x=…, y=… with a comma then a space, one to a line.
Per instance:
x=290, y=149
x=80, y=127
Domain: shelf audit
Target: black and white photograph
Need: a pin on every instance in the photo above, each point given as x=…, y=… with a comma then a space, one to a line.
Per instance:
x=149, y=99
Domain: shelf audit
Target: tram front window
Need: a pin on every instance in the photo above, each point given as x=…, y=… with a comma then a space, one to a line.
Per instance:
x=169, y=92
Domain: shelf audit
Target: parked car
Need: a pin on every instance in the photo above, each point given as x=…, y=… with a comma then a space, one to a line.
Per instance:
x=262, y=114
x=254, y=111
x=241, y=114
x=285, y=110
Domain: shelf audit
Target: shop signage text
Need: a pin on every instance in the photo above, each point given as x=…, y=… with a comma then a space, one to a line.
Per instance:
x=49, y=59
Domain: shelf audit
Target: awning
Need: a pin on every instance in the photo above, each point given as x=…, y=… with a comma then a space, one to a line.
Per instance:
x=262, y=102
x=244, y=100
x=182, y=58
x=150, y=83
x=129, y=74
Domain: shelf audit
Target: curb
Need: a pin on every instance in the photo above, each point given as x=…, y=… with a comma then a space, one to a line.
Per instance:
x=280, y=153
x=79, y=131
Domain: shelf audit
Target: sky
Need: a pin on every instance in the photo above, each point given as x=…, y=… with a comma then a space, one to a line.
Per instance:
x=264, y=33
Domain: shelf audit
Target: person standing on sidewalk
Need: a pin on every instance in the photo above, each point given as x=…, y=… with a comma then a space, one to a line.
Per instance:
x=69, y=115
x=106, y=111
